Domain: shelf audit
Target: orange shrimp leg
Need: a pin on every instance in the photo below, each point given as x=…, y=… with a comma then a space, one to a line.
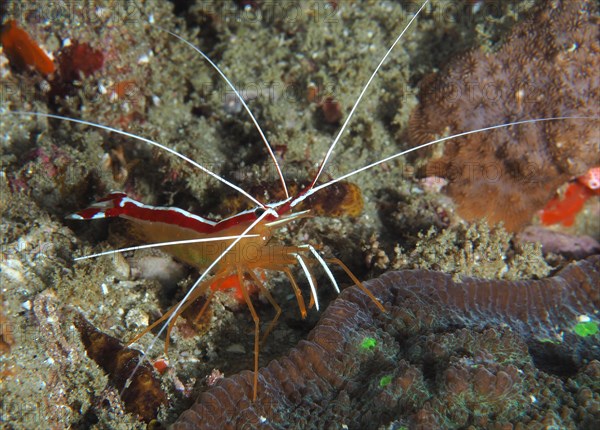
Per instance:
x=205, y=306
x=271, y=300
x=356, y=281
x=256, y=330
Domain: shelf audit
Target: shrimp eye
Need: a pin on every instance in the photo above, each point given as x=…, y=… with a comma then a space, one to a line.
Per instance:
x=259, y=211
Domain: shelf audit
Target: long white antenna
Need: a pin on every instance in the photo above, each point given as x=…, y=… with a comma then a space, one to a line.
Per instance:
x=323, y=265
x=433, y=142
x=242, y=101
x=161, y=244
x=143, y=139
x=362, y=93
x=311, y=283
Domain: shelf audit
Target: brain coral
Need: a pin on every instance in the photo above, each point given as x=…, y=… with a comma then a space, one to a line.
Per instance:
x=547, y=67
x=445, y=355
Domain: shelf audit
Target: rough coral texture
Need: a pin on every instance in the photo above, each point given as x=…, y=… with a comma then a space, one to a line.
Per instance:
x=546, y=68
x=476, y=251
x=446, y=355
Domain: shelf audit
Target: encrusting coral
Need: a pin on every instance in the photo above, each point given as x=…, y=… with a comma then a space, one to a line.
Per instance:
x=493, y=354
x=547, y=67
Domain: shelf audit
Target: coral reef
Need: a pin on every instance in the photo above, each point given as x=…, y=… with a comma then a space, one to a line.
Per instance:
x=445, y=355
x=546, y=68
x=153, y=85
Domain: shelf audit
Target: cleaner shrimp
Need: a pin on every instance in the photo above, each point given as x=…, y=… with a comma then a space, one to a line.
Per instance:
x=295, y=137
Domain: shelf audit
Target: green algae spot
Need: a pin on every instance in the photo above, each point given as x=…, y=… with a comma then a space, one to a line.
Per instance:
x=585, y=329
x=368, y=343
x=385, y=381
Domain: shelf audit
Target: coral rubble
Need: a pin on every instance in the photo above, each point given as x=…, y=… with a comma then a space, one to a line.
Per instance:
x=546, y=68
x=446, y=355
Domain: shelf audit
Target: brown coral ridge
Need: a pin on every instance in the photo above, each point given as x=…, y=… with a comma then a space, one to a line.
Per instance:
x=447, y=355
x=548, y=67
x=144, y=395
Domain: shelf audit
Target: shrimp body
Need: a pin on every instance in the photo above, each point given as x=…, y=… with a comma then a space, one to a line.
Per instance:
x=248, y=235
x=169, y=224
x=163, y=224
x=234, y=247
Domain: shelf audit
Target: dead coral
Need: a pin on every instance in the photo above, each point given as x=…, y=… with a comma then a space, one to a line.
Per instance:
x=420, y=371
x=546, y=68
x=477, y=251
x=374, y=255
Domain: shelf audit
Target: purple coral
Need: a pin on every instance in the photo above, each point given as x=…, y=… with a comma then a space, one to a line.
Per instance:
x=458, y=353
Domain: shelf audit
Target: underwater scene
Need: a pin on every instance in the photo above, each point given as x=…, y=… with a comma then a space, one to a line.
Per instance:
x=390, y=209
